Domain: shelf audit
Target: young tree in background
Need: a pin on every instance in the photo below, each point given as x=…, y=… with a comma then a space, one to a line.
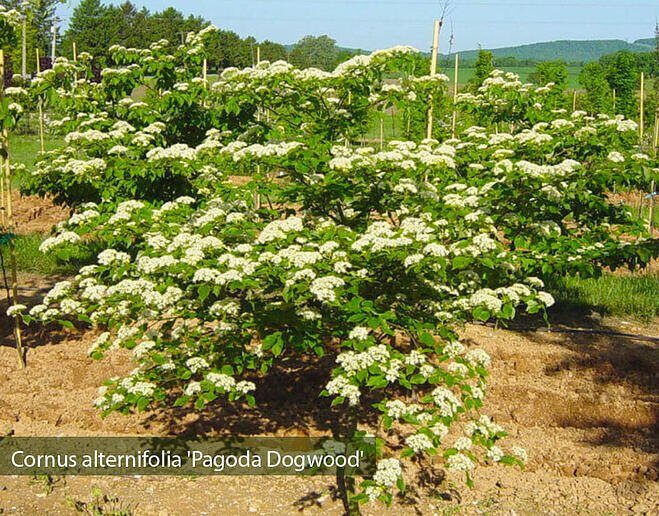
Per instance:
x=550, y=71
x=622, y=74
x=598, y=97
x=483, y=68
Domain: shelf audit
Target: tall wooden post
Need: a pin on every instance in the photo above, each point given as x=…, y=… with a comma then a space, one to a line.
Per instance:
x=433, y=70
x=75, y=52
x=8, y=216
x=381, y=131
x=655, y=146
x=40, y=108
x=641, y=117
x=24, y=47
x=456, y=71
x=614, y=101
x=574, y=101
x=655, y=140
x=257, y=196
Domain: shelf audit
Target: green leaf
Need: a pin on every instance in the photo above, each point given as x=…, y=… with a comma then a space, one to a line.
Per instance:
x=508, y=311
x=481, y=314
x=461, y=262
x=427, y=339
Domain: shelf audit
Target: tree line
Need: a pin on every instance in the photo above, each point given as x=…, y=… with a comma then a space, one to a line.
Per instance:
x=609, y=85
x=95, y=26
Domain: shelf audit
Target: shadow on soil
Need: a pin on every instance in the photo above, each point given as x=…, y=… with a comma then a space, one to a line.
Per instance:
x=30, y=293
x=611, y=356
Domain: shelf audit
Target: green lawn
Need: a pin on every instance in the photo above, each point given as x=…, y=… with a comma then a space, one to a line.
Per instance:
x=30, y=259
x=635, y=295
x=24, y=148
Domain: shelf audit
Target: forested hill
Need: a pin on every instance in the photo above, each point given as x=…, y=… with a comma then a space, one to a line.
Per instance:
x=567, y=50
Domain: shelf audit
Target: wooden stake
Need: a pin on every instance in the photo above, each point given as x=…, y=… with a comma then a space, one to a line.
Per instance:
x=574, y=101
x=75, y=60
x=381, y=131
x=641, y=117
x=257, y=196
x=651, y=209
x=655, y=146
x=614, y=101
x=204, y=71
x=40, y=107
x=455, y=96
x=9, y=218
x=2, y=169
x=433, y=69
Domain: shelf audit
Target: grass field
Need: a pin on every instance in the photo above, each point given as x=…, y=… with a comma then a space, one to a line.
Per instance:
x=524, y=72
x=24, y=148
x=618, y=295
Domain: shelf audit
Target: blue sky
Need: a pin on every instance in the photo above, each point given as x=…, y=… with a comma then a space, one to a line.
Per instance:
x=371, y=24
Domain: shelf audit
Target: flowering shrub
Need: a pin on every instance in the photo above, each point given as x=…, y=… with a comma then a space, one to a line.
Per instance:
x=377, y=257
x=108, y=130
x=504, y=99
x=211, y=296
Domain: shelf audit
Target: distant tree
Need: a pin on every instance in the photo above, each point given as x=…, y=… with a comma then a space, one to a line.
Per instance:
x=173, y=26
x=622, y=74
x=271, y=51
x=228, y=49
x=91, y=28
x=483, y=68
x=130, y=25
x=550, y=71
x=318, y=52
x=598, y=96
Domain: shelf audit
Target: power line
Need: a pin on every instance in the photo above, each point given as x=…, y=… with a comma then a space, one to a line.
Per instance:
x=399, y=21
x=481, y=3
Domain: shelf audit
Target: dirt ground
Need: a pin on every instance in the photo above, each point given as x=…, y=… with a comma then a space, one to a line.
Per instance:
x=584, y=406
x=34, y=214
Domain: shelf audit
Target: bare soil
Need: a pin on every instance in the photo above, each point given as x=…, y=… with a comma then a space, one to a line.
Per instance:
x=584, y=406
x=34, y=214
